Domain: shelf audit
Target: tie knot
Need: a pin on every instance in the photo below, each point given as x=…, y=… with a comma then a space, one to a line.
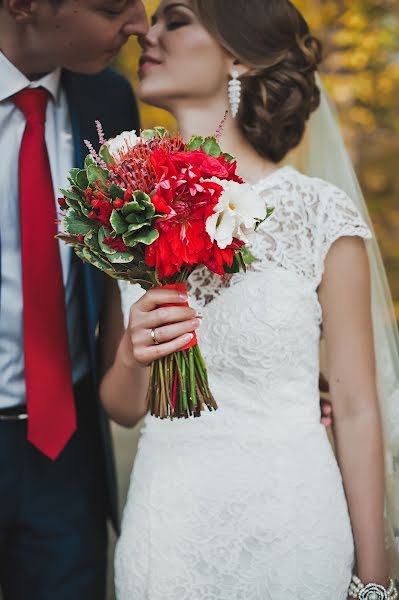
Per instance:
x=32, y=102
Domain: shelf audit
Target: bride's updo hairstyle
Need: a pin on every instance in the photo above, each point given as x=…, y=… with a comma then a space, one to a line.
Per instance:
x=279, y=92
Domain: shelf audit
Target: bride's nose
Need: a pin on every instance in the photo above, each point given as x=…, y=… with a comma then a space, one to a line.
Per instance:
x=149, y=39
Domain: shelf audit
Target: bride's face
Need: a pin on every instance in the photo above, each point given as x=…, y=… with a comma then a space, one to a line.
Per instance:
x=181, y=62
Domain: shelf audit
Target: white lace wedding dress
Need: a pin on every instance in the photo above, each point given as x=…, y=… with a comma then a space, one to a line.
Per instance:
x=247, y=503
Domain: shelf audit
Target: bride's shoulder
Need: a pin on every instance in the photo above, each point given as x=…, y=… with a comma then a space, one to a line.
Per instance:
x=289, y=186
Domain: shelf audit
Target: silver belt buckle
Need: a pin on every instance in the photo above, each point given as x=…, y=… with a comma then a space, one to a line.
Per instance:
x=20, y=417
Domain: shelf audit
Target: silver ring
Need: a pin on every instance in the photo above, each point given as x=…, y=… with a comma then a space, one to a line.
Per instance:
x=154, y=337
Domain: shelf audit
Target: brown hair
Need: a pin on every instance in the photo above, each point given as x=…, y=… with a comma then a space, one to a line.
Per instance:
x=279, y=92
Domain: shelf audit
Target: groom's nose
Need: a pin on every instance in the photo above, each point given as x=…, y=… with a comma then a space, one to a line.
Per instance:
x=136, y=22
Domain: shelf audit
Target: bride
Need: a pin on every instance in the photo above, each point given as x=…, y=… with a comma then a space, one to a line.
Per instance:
x=250, y=502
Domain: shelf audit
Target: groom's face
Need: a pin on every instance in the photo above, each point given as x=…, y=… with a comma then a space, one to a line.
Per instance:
x=83, y=35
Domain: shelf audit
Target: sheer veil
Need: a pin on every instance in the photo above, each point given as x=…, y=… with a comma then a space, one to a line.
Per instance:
x=323, y=154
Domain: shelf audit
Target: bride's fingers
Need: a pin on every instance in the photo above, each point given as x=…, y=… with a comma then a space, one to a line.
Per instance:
x=171, y=332
x=166, y=315
x=158, y=296
x=148, y=354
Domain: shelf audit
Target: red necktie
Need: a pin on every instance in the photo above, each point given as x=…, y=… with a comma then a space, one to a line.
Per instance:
x=49, y=391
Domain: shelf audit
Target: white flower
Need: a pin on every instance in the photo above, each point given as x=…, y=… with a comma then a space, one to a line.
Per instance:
x=236, y=215
x=123, y=141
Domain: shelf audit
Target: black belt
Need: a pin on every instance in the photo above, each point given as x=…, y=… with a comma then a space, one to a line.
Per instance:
x=20, y=413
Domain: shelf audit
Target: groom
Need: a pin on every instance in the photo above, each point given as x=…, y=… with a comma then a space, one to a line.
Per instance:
x=57, y=481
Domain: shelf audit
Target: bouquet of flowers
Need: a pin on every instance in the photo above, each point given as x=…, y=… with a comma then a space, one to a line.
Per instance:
x=151, y=208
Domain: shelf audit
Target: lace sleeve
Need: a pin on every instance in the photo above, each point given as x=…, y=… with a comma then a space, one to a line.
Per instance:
x=130, y=293
x=339, y=217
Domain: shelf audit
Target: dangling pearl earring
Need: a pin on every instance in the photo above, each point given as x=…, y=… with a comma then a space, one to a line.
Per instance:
x=234, y=92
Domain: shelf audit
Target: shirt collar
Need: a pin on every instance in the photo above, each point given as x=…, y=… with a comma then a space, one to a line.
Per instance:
x=13, y=81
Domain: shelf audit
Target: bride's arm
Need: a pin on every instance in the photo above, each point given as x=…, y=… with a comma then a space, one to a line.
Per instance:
x=123, y=385
x=345, y=297
x=126, y=354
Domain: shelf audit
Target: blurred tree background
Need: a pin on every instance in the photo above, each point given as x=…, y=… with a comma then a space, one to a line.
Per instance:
x=361, y=72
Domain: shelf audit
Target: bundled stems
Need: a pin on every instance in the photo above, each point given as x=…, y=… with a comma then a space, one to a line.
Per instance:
x=179, y=386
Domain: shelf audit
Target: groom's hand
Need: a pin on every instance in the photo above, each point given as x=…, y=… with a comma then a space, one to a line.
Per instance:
x=325, y=405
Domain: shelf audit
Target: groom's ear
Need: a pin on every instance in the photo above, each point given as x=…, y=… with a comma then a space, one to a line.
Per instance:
x=22, y=11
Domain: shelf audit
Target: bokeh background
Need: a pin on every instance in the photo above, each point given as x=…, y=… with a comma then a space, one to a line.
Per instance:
x=361, y=73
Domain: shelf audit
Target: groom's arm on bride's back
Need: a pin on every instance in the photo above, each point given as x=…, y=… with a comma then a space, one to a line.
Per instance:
x=345, y=298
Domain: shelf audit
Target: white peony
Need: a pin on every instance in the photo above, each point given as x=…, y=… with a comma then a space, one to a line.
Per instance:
x=123, y=141
x=236, y=215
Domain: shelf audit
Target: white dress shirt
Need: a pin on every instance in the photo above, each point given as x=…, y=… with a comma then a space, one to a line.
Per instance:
x=61, y=154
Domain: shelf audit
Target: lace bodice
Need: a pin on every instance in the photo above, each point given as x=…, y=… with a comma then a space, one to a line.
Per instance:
x=262, y=328
x=309, y=215
x=256, y=508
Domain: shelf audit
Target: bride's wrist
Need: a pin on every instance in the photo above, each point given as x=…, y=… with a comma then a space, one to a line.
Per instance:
x=373, y=589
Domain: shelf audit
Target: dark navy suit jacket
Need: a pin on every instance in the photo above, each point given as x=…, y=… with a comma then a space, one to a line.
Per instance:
x=107, y=97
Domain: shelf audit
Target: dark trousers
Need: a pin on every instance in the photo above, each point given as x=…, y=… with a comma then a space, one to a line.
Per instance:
x=52, y=514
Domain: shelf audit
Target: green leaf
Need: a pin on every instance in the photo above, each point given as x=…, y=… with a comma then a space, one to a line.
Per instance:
x=81, y=179
x=195, y=143
x=116, y=192
x=149, y=209
x=140, y=196
x=148, y=134
x=120, y=257
x=269, y=212
x=133, y=218
x=68, y=239
x=70, y=194
x=106, y=155
x=118, y=223
x=132, y=207
x=228, y=157
x=137, y=226
x=95, y=259
x=148, y=237
x=72, y=175
x=91, y=240
x=89, y=160
x=160, y=131
x=141, y=234
x=211, y=147
x=235, y=267
x=104, y=247
x=97, y=175
x=76, y=224
x=247, y=255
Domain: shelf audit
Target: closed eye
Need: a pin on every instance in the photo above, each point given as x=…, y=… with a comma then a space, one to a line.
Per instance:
x=175, y=25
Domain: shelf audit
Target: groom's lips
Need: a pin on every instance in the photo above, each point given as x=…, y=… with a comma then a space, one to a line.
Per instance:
x=146, y=60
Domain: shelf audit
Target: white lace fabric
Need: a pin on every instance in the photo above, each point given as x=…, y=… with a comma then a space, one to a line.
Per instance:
x=248, y=503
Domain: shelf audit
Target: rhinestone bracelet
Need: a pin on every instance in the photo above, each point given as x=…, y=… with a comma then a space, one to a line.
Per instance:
x=372, y=591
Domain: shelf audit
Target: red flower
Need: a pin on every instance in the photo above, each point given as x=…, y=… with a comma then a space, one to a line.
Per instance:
x=118, y=203
x=215, y=258
x=115, y=243
x=187, y=201
x=62, y=203
x=104, y=212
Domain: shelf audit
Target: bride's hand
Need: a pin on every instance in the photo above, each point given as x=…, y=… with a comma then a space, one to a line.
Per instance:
x=173, y=326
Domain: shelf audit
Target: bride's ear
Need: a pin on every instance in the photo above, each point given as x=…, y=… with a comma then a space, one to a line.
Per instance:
x=239, y=67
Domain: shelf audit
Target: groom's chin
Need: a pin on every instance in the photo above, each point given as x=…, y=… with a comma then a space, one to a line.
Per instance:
x=91, y=67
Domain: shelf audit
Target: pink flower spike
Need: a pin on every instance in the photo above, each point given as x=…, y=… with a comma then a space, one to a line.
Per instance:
x=97, y=159
x=100, y=131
